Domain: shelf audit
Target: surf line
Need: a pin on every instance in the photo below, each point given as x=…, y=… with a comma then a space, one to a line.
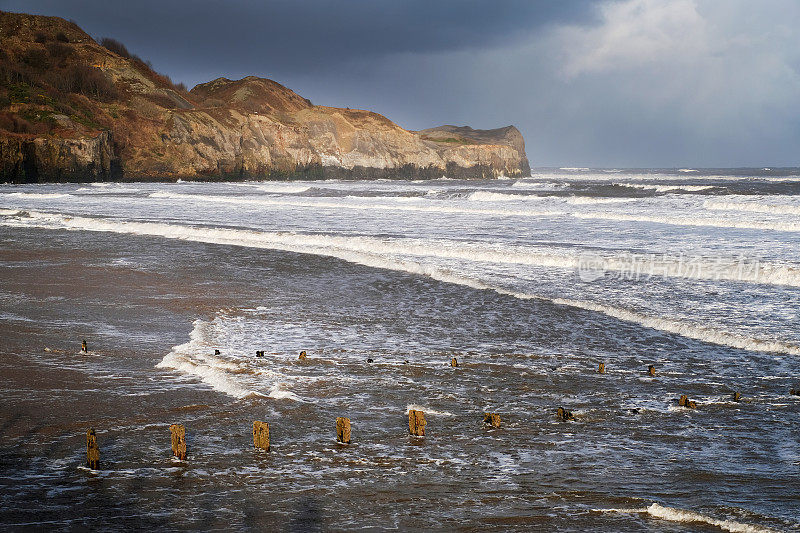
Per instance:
x=317, y=246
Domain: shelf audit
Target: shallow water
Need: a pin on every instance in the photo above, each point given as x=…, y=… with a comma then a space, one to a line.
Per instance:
x=529, y=283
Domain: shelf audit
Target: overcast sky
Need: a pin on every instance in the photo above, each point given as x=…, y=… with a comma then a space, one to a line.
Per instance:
x=612, y=83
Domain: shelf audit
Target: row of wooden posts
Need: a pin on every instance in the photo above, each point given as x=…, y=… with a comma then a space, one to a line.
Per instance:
x=416, y=421
x=416, y=428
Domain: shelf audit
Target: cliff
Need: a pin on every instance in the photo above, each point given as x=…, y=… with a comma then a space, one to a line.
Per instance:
x=75, y=110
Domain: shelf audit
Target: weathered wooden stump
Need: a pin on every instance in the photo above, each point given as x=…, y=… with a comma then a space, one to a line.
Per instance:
x=92, y=450
x=302, y=356
x=178, y=441
x=84, y=348
x=737, y=397
x=651, y=370
x=217, y=352
x=454, y=362
x=343, y=430
x=684, y=401
x=416, y=423
x=261, y=435
x=564, y=415
x=492, y=419
x=601, y=369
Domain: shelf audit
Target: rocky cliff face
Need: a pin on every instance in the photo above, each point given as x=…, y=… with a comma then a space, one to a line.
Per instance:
x=75, y=110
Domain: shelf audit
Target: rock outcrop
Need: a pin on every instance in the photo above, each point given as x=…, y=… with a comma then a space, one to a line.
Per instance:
x=73, y=110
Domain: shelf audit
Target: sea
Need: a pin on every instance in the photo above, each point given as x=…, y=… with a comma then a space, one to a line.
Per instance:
x=526, y=284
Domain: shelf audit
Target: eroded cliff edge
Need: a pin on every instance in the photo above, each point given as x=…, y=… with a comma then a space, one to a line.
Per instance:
x=73, y=110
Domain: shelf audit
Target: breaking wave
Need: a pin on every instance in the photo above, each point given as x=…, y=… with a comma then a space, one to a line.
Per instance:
x=753, y=207
x=714, y=222
x=223, y=374
x=37, y=195
x=421, y=205
x=194, y=359
x=487, y=196
x=378, y=253
x=274, y=187
x=690, y=517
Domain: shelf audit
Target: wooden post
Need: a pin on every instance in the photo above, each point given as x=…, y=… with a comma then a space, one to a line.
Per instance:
x=492, y=419
x=261, y=435
x=684, y=401
x=343, y=430
x=651, y=370
x=302, y=356
x=84, y=349
x=178, y=441
x=416, y=423
x=454, y=362
x=92, y=450
x=602, y=368
x=564, y=415
x=737, y=397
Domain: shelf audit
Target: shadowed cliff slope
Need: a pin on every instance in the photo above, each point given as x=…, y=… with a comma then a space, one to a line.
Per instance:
x=75, y=110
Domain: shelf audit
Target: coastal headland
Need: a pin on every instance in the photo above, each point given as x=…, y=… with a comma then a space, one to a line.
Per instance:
x=75, y=110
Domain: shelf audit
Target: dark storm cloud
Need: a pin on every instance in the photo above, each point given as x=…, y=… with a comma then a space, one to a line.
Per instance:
x=292, y=35
x=589, y=83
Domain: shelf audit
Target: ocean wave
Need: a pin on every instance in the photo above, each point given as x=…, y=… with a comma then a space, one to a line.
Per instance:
x=589, y=200
x=37, y=195
x=680, y=515
x=440, y=206
x=194, y=359
x=488, y=196
x=367, y=203
x=274, y=187
x=753, y=207
x=694, y=221
x=365, y=253
x=666, y=188
x=708, y=268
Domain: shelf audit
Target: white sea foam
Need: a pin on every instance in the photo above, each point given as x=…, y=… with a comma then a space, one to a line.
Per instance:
x=275, y=186
x=488, y=196
x=690, y=517
x=729, y=269
x=426, y=410
x=368, y=204
x=439, y=206
x=279, y=392
x=590, y=200
x=753, y=207
x=364, y=252
x=715, y=222
x=37, y=195
x=194, y=358
x=687, y=170
x=665, y=188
